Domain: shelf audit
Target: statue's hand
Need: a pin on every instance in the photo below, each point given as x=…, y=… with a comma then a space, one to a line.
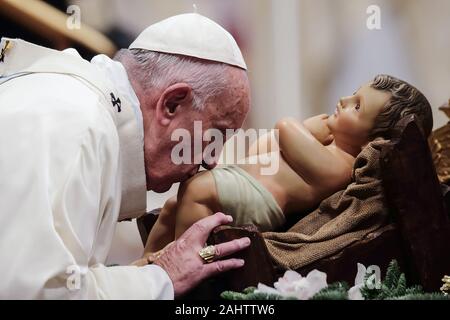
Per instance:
x=318, y=127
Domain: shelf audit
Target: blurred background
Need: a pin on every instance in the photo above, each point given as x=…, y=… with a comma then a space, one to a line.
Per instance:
x=302, y=55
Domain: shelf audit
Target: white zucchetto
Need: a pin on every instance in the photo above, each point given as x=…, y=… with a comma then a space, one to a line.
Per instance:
x=193, y=35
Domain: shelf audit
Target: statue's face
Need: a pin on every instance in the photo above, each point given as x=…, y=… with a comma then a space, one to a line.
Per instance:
x=355, y=115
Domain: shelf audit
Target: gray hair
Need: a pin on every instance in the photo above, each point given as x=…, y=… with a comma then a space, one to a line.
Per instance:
x=207, y=79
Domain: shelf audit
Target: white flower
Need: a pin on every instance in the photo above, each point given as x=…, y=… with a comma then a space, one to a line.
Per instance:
x=292, y=284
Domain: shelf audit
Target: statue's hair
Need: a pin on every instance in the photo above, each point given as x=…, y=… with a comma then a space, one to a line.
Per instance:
x=207, y=79
x=405, y=100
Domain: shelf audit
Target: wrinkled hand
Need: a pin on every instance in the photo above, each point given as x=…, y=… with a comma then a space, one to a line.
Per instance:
x=183, y=264
x=319, y=128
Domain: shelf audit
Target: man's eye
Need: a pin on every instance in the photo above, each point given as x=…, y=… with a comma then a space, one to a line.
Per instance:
x=357, y=107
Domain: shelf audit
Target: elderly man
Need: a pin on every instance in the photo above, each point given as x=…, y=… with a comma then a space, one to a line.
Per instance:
x=81, y=143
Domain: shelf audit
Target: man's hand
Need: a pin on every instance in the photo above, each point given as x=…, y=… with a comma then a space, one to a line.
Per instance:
x=182, y=262
x=319, y=129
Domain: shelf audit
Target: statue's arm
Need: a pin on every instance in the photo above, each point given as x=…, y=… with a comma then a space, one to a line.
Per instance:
x=307, y=156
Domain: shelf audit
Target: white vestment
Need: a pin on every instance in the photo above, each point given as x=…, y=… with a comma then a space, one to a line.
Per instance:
x=71, y=165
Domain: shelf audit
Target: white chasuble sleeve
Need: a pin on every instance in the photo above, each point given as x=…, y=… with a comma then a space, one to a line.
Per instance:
x=60, y=196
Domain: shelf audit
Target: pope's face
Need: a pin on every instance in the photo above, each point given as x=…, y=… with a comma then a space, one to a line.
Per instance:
x=186, y=132
x=354, y=117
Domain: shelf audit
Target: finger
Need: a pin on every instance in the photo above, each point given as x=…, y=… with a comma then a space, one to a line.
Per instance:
x=230, y=247
x=214, y=268
x=202, y=228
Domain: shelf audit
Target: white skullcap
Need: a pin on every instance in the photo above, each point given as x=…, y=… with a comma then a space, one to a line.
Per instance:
x=194, y=35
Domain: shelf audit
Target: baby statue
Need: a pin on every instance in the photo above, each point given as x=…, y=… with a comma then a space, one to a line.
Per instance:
x=317, y=157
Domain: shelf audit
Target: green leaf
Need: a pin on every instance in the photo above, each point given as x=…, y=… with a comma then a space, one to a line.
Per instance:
x=400, y=290
x=232, y=295
x=335, y=291
x=414, y=290
x=423, y=296
x=249, y=290
x=392, y=275
x=393, y=287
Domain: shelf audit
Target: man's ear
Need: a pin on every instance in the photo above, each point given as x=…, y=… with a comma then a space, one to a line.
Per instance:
x=176, y=97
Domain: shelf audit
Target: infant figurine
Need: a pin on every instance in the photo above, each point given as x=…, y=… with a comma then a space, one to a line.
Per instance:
x=316, y=160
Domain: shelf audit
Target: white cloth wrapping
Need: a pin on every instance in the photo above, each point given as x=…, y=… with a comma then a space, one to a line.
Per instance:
x=61, y=181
